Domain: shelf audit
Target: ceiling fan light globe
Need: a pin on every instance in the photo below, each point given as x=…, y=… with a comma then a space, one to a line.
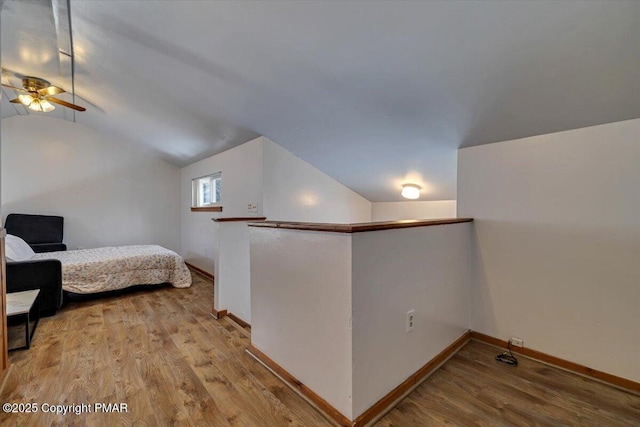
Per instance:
x=35, y=106
x=46, y=106
x=26, y=99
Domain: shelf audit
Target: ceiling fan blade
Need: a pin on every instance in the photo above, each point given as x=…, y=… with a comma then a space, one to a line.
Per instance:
x=51, y=90
x=15, y=88
x=66, y=104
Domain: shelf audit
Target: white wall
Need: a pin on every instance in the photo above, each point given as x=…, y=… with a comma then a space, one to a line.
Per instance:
x=425, y=269
x=557, y=220
x=241, y=184
x=301, y=307
x=283, y=186
x=1, y=96
x=330, y=308
x=393, y=211
x=296, y=191
x=233, y=281
x=109, y=193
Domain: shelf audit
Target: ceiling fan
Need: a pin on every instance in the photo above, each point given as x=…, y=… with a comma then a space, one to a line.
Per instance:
x=38, y=95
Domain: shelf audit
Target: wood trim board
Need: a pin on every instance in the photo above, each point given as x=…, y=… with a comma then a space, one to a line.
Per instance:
x=218, y=314
x=325, y=407
x=199, y=270
x=388, y=402
x=392, y=398
x=4, y=345
x=240, y=218
x=379, y=408
x=238, y=320
x=561, y=363
x=6, y=376
x=206, y=209
x=358, y=227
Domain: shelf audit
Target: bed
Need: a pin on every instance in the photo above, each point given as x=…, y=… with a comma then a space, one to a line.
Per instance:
x=88, y=271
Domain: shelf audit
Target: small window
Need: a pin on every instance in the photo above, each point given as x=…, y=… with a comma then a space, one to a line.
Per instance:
x=206, y=190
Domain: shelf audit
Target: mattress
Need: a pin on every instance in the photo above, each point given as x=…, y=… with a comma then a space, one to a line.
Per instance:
x=88, y=271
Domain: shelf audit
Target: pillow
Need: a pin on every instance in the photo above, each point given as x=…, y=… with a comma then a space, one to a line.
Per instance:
x=17, y=249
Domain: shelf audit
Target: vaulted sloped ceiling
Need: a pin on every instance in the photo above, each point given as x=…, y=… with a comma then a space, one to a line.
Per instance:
x=372, y=93
x=36, y=41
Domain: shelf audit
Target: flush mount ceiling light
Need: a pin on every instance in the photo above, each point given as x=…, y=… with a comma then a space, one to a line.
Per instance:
x=411, y=191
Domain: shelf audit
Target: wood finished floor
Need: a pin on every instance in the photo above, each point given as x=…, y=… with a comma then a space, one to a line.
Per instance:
x=473, y=389
x=161, y=353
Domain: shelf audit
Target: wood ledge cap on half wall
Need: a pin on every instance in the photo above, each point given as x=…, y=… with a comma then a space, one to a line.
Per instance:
x=240, y=219
x=358, y=227
x=378, y=409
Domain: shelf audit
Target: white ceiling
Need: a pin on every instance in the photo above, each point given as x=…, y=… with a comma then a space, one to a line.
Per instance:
x=372, y=93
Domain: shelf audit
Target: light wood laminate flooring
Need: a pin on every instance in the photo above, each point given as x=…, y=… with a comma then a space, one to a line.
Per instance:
x=473, y=389
x=162, y=354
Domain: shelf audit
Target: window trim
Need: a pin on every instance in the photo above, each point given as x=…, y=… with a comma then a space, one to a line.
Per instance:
x=195, y=184
x=206, y=209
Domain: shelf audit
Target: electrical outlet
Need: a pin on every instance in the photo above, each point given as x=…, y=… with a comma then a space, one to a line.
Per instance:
x=517, y=342
x=411, y=320
x=252, y=207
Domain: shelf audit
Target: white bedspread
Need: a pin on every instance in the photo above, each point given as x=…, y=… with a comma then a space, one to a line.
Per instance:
x=87, y=271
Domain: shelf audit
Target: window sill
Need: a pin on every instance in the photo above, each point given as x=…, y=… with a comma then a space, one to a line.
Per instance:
x=207, y=209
